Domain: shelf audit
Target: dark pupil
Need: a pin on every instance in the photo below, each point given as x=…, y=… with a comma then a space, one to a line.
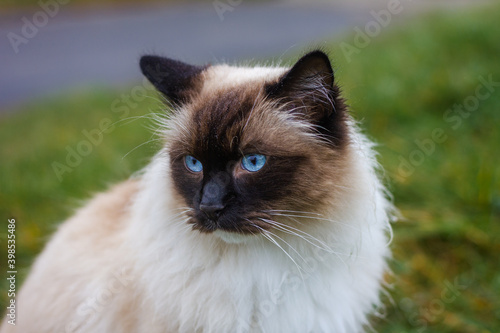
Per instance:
x=253, y=160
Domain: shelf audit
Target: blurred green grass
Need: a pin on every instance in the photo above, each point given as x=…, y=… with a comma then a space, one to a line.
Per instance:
x=399, y=87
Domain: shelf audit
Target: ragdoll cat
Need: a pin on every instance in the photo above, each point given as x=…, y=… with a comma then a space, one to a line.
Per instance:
x=262, y=212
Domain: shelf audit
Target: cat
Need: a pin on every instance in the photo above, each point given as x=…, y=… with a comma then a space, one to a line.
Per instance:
x=262, y=212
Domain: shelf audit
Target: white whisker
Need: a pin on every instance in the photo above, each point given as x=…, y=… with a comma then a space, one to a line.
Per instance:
x=138, y=146
x=326, y=248
x=311, y=240
x=293, y=211
x=291, y=216
x=187, y=209
x=130, y=120
x=295, y=232
x=266, y=234
x=284, y=241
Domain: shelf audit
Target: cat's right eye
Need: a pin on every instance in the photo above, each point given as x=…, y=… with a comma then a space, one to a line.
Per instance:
x=193, y=164
x=253, y=162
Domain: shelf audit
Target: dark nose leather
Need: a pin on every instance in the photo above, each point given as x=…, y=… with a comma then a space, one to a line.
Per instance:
x=212, y=211
x=213, y=198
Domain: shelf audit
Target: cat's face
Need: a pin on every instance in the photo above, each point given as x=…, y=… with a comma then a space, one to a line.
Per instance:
x=247, y=144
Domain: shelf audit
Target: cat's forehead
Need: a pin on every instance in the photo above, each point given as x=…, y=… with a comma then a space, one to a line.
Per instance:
x=231, y=114
x=225, y=76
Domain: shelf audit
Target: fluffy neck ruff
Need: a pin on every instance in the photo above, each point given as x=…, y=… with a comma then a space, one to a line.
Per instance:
x=325, y=277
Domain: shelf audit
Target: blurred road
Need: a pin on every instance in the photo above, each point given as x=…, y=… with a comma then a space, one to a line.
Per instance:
x=75, y=47
x=102, y=46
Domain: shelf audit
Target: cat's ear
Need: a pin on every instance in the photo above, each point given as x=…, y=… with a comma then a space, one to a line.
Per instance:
x=308, y=87
x=174, y=79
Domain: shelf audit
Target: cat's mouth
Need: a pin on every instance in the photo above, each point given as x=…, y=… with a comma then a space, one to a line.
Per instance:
x=228, y=226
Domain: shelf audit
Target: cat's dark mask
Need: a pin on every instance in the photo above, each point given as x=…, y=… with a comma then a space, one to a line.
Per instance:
x=248, y=143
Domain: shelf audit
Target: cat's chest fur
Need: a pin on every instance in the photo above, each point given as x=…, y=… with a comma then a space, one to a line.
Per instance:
x=325, y=282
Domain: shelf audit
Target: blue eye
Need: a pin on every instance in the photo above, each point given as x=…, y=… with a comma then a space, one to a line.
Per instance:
x=193, y=164
x=253, y=162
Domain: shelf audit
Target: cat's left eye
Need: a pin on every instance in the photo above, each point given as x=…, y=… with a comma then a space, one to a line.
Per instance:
x=253, y=162
x=193, y=164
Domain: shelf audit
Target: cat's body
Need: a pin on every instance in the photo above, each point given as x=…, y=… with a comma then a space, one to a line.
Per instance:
x=296, y=243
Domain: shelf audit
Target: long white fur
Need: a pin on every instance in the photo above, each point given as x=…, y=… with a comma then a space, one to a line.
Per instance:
x=201, y=283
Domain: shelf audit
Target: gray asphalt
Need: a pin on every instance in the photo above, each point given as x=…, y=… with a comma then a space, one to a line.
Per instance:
x=102, y=46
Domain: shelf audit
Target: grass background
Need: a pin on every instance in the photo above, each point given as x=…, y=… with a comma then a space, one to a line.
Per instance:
x=399, y=87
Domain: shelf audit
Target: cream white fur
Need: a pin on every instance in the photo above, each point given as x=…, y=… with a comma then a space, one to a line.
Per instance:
x=174, y=279
x=200, y=283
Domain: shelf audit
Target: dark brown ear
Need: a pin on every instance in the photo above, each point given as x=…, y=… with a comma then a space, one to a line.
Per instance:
x=174, y=79
x=313, y=65
x=308, y=90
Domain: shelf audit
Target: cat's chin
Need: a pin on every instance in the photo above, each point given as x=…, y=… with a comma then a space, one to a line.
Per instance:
x=233, y=237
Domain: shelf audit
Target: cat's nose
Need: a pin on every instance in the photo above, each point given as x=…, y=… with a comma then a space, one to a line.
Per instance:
x=211, y=211
x=213, y=197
